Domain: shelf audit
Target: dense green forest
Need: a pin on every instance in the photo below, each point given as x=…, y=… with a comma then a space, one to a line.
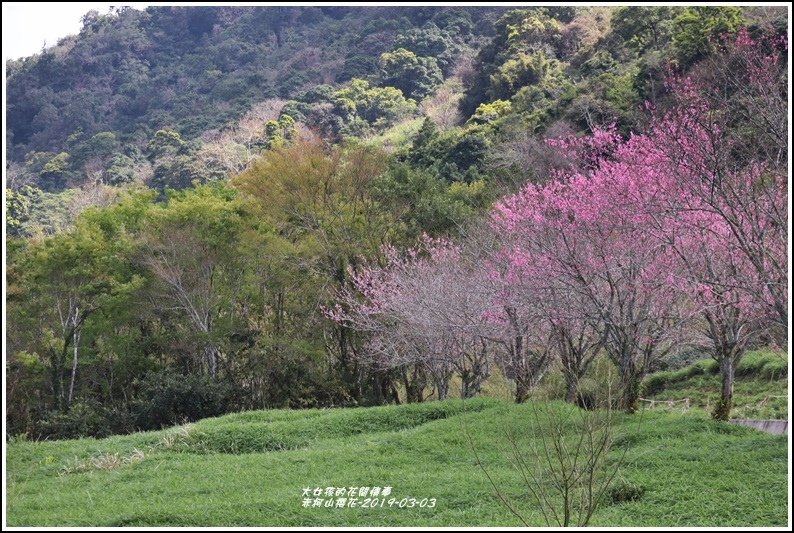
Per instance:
x=188, y=188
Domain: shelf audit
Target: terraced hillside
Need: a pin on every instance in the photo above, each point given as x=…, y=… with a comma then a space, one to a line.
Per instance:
x=760, y=390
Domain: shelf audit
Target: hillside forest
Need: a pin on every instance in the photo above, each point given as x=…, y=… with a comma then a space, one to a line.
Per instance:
x=217, y=209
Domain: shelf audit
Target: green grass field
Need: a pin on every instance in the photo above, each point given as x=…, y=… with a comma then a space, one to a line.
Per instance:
x=249, y=469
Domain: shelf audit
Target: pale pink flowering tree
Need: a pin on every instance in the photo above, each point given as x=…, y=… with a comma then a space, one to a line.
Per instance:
x=728, y=300
x=524, y=341
x=369, y=304
x=423, y=312
x=524, y=338
x=453, y=294
x=577, y=340
x=713, y=276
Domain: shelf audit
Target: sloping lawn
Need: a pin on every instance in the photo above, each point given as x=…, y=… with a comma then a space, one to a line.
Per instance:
x=251, y=469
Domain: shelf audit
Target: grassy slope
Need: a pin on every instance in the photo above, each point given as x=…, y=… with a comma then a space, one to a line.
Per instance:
x=398, y=136
x=760, y=389
x=694, y=471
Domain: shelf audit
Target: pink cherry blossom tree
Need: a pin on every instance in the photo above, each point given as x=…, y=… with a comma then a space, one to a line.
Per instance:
x=585, y=233
x=524, y=340
x=723, y=147
x=683, y=224
x=716, y=159
x=577, y=340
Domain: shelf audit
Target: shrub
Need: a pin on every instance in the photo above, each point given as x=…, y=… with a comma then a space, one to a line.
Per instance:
x=571, y=447
x=83, y=419
x=624, y=491
x=678, y=359
x=656, y=383
x=166, y=399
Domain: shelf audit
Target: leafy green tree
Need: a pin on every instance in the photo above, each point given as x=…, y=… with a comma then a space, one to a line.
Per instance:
x=273, y=137
x=699, y=30
x=322, y=202
x=179, y=172
x=120, y=170
x=423, y=138
x=430, y=41
x=67, y=281
x=280, y=132
x=56, y=173
x=191, y=248
x=518, y=72
x=519, y=54
x=415, y=76
x=34, y=163
x=49, y=213
x=386, y=104
x=101, y=146
x=455, y=155
x=358, y=66
x=530, y=28
x=491, y=111
x=165, y=143
x=317, y=94
x=423, y=203
x=455, y=21
x=17, y=211
x=382, y=105
x=643, y=28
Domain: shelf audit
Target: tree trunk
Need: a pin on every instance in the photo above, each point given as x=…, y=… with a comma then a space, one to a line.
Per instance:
x=571, y=387
x=383, y=387
x=522, y=391
x=414, y=393
x=378, y=388
x=470, y=384
x=465, y=386
x=414, y=385
x=56, y=377
x=392, y=390
x=472, y=378
x=420, y=383
x=631, y=393
x=74, y=368
x=722, y=411
x=442, y=388
x=58, y=368
x=211, y=352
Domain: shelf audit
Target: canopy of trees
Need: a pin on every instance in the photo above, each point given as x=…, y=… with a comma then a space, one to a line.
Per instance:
x=211, y=209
